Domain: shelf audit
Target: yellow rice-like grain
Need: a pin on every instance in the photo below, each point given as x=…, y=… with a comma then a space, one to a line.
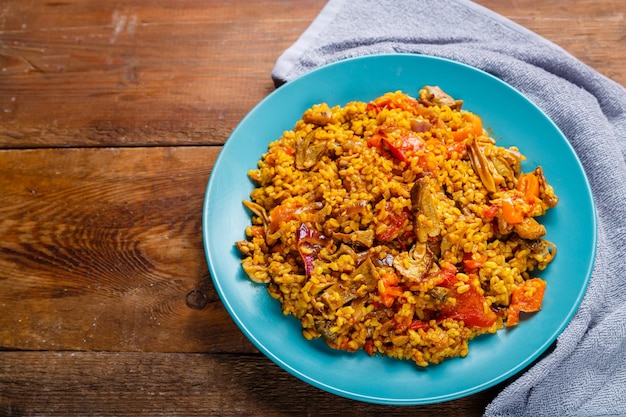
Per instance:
x=347, y=201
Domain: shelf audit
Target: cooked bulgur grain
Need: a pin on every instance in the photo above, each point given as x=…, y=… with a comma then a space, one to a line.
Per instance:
x=397, y=226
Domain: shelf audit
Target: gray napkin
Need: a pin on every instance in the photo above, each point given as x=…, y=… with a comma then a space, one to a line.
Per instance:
x=585, y=375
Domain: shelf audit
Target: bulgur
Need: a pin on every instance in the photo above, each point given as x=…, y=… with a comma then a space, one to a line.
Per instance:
x=397, y=226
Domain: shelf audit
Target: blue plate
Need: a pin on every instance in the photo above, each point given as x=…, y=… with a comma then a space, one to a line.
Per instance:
x=493, y=358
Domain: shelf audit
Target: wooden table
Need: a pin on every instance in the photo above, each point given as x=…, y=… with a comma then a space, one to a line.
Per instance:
x=111, y=116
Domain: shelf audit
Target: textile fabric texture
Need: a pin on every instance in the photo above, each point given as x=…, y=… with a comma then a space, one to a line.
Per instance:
x=585, y=374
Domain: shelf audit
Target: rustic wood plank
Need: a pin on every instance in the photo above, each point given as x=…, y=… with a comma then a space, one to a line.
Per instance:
x=139, y=87
x=151, y=73
x=113, y=384
x=100, y=248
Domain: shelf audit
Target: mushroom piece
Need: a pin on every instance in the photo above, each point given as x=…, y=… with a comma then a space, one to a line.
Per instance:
x=414, y=264
x=439, y=294
x=502, y=167
x=483, y=166
x=420, y=125
x=530, y=229
x=323, y=327
x=257, y=210
x=363, y=238
x=307, y=153
x=342, y=292
x=344, y=249
x=434, y=96
x=546, y=192
x=424, y=202
x=319, y=115
x=543, y=248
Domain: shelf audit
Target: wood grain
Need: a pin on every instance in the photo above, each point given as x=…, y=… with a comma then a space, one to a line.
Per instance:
x=151, y=73
x=113, y=384
x=100, y=248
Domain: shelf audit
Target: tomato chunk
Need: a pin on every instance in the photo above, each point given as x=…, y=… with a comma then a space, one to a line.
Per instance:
x=389, y=289
x=279, y=215
x=472, y=263
x=471, y=307
x=398, y=150
x=395, y=222
x=309, y=242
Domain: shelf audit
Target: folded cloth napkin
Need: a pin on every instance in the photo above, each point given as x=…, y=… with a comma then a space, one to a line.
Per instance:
x=585, y=375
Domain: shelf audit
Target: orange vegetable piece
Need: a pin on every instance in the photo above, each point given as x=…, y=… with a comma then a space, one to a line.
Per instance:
x=471, y=264
x=528, y=298
x=375, y=141
x=473, y=126
x=470, y=307
x=490, y=212
x=288, y=150
x=369, y=347
x=510, y=214
x=395, y=222
x=529, y=185
x=389, y=289
x=280, y=214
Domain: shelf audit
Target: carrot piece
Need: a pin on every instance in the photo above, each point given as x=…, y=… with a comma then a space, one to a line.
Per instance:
x=476, y=122
x=389, y=289
x=473, y=126
x=280, y=214
x=529, y=185
x=510, y=214
x=389, y=278
x=528, y=298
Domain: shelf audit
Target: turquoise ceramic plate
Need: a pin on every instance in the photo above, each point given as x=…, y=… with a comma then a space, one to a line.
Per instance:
x=492, y=359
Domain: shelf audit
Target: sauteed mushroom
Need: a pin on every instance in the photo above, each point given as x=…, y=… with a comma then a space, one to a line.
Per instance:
x=424, y=209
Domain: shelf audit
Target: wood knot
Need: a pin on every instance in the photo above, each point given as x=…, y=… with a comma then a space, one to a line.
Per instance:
x=196, y=299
